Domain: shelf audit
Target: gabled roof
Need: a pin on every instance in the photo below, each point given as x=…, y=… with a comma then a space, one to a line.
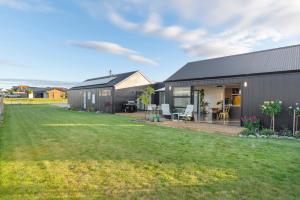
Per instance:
x=45, y=89
x=105, y=81
x=268, y=61
x=38, y=89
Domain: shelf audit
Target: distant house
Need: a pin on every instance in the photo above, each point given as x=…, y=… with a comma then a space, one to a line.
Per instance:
x=239, y=82
x=19, y=91
x=47, y=92
x=20, y=88
x=108, y=93
x=56, y=93
x=39, y=92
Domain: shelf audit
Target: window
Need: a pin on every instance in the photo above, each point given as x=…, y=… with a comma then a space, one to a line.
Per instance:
x=89, y=95
x=162, y=98
x=181, y=96
x=104, y=93
x=182, y=91
x=181, y=102
x=93, y=98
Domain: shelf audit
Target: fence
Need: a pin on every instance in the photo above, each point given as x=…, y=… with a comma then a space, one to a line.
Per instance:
x=1, y=107
x=33, y=101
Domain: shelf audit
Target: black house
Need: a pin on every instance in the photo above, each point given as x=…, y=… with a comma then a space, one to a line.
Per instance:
x=241, y=82
x=108, y=93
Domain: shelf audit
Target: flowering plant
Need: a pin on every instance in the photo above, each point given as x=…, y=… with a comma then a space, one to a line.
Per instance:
x=250, y=122
x=295, y=112
x=295, y=108
x=271, y=109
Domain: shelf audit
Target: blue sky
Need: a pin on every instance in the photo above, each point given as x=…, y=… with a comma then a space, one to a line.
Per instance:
x=72, y=40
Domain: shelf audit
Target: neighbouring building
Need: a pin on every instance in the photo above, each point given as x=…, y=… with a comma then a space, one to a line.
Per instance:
x=38, y=92
x=20, y=88
x=56, y=93
x=239, y=82
x=46, y=92
x=108, y=93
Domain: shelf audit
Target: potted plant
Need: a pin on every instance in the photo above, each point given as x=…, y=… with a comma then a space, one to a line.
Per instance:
x=203, y=104
x=271, y=109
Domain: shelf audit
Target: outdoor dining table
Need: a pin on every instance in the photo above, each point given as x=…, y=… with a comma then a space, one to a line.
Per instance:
x=175, y=114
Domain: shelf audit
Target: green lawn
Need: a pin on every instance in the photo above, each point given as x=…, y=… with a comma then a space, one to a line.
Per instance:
x=51, y=153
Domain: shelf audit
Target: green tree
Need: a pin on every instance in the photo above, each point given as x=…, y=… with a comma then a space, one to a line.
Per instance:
x=145, y=97
x=29, y=91
x=271, y=109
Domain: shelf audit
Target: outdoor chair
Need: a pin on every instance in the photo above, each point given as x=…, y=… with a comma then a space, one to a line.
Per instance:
x=188, y=113
x=225, y=114
x=165, y=109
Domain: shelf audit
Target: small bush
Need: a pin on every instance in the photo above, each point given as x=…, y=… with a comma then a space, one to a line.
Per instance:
x=247, y=132
x=286, y=132
x=251, y=122
x=267, y=132
x=297, y=135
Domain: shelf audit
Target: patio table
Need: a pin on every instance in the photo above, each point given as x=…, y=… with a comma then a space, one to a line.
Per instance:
x=173, y=116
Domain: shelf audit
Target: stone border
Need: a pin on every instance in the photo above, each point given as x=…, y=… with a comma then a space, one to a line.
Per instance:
x=269, y=137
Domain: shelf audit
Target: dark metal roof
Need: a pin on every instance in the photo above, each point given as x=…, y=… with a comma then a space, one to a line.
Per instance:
x=268, y=61
x=38, y=89
x=113, y=81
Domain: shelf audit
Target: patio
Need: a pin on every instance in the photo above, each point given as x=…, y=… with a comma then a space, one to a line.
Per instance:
x=192, y=125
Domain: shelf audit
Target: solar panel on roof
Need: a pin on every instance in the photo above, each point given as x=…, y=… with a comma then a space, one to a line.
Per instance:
x=96, y=81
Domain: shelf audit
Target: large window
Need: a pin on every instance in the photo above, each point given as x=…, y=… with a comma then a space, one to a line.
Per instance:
x=182, y=97
x=182, y=91
x=105, y=93
x=181, y=102
x=162, y=98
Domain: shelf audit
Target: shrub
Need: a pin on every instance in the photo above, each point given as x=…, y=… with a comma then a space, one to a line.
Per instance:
x=286, y=132
x=251, y=122
x=297, y=135
x=247, y=132
x=267, y=132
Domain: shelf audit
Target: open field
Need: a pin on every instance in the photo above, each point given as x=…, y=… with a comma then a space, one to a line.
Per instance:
x=33, y=101
x=48, y=152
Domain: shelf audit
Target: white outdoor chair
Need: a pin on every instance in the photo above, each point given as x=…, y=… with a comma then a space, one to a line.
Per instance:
x=188, y=113
x=165, y=109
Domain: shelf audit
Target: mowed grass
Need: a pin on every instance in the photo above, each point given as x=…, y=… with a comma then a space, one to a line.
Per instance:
x=51, y=153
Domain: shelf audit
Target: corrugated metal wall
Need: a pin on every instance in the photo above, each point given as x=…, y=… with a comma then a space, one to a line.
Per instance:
x=92, y=100
x=284, y=87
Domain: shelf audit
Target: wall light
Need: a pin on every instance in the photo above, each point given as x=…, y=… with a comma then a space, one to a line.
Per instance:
x=170, y=87
x=245, y=84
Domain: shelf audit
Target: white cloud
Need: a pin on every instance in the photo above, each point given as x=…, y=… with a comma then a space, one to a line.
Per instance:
x=113, y=48
x=218, y=27
x=103, y=46
x=116, y=19
x=34, y=5
x=153, y=26
x=10, y=63
x=141, y=59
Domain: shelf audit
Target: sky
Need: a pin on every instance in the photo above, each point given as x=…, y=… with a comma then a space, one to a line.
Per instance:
x=73, y=40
